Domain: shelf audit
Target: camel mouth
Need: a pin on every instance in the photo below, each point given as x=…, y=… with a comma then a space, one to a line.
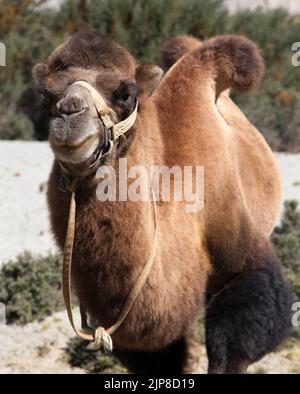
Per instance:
x=75, y=144
x=77, y=151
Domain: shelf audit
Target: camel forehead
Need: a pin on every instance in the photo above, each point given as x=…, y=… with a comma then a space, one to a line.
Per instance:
x=105, y=80
x=92, y=50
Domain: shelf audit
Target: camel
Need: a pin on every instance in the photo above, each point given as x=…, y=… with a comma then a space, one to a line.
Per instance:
x=219, y=259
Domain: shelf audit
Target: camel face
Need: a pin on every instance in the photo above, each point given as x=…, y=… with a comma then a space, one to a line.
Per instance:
x=76, y=132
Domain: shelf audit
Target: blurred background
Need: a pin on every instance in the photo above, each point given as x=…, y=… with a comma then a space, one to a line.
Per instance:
x=31, y=32
x=29, y=262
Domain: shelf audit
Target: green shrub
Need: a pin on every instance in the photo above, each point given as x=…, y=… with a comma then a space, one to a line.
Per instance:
x=15, y=126
x=142, y=25
x=275, y=107
x=286, y=241
x=30, y=287
x=77, y=355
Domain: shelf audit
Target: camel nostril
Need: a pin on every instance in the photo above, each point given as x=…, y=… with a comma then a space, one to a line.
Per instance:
x=71, y=104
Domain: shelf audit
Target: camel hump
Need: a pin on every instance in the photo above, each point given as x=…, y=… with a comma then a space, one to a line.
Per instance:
x=235, y=60
x=176, y=47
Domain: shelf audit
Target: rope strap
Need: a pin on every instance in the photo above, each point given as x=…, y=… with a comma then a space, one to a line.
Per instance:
x=101, y=337
x=121, y=127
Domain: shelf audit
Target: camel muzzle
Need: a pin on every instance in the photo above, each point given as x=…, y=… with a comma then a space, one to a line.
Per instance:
x=72, y=104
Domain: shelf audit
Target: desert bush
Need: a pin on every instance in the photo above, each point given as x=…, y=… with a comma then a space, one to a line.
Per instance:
x=141, y=25
x=15, y=126
x=77, y=355
x=274, y=108
x=29, y=38
x=286, y=241
x=30, y=287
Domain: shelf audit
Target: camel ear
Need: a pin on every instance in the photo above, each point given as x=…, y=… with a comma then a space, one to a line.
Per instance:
x=39, y=72
x=148, y=77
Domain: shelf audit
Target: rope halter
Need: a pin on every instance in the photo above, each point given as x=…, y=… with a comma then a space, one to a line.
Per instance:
x=99, y=337
x=104, y=112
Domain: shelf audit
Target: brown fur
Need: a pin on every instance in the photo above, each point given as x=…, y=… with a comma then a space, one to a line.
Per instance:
x=189, y=120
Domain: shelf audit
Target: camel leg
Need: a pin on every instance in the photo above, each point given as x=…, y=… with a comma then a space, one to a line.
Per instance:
x=193, y=356
x=249, y=317
x=182, y=356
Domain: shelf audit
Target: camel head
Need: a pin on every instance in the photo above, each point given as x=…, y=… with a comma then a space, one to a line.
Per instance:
x=76, y=131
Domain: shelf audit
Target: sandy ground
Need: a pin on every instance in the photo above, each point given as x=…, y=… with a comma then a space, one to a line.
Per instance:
x=289, y=165
x=24, y=224
x=38, y=347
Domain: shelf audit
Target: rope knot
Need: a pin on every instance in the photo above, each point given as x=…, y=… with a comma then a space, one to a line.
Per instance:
x=101, y=339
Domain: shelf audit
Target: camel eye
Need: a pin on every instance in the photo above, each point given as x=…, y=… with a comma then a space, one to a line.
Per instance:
x=46, y=94
x=126, y=90
x=47, y=104
x=125, y=96
x=59, y=65
x=48, y=101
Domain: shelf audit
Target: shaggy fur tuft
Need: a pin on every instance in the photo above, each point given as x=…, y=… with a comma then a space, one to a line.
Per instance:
x=236, y=61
